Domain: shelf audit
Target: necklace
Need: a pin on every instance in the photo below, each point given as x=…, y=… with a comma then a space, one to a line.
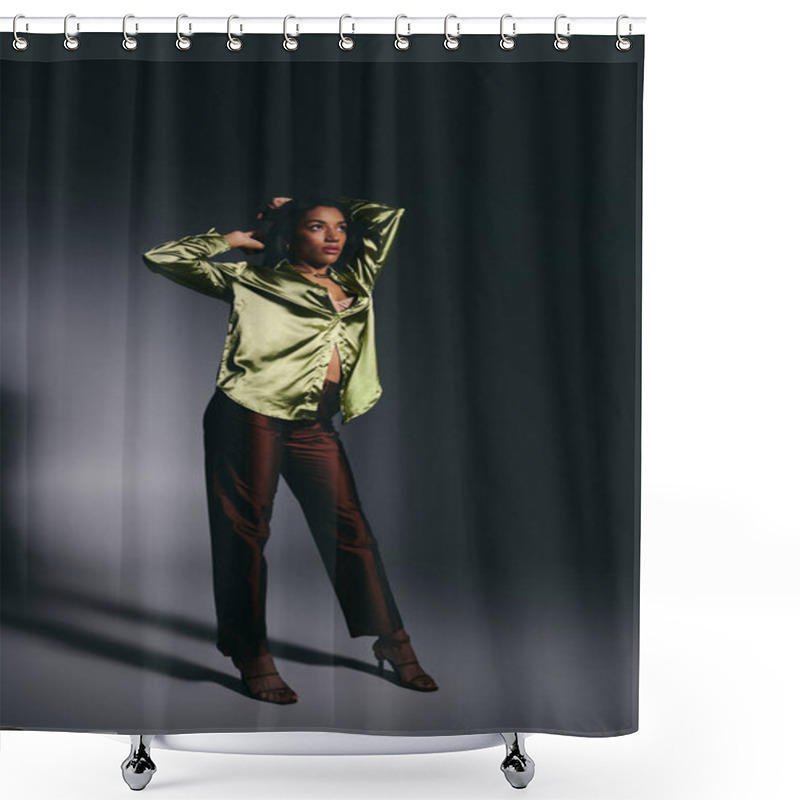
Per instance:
x=315, y=274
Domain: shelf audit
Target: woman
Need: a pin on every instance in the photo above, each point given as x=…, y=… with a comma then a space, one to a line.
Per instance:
x=300, y=347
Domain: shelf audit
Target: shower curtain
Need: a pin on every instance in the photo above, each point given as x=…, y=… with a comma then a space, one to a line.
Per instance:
x=323, y=354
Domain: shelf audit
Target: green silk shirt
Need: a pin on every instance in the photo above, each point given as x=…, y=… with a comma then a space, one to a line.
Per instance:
x=283, y=327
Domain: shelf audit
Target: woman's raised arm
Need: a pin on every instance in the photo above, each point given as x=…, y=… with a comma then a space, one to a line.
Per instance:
x=186, y=261
x=383, y=221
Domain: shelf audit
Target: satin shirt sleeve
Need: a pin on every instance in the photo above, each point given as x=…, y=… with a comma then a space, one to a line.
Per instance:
x=383, y=221
x=187, y=262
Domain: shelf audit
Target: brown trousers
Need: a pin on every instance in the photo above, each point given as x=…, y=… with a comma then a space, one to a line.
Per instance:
x=245, y=453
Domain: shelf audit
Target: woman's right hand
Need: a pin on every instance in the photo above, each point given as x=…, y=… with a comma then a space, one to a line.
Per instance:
x=243, y=239
x=274, y=204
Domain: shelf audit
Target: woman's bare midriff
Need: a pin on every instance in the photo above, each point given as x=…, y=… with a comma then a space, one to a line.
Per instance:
x=334, y=373
x=335, y=367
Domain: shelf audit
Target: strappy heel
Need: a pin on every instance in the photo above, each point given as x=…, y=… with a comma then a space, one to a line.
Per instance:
x=397, y=650
x=255, y=670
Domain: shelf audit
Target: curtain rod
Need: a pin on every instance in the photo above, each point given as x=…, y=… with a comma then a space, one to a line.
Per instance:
x=406, y=25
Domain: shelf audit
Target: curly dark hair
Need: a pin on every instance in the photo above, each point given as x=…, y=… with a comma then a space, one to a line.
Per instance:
x=283, y=223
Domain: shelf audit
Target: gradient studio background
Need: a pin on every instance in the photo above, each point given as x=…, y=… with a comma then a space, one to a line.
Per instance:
x=719, y=533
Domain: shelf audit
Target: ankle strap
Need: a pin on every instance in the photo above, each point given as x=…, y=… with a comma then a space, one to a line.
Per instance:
x=398, y=637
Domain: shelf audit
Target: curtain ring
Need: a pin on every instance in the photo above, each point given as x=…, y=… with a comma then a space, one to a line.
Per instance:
x=128, y=42
x=346, y=42
x=233, y=44
x=71, y=42
x=400, y=42
x=182, y=43
x=623, y=44
x=20, y=42
x=561, y=43
x=288, y=42
x=451, y=42
x=507, y=42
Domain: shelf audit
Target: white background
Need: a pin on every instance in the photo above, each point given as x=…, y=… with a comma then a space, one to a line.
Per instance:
x=719, y=598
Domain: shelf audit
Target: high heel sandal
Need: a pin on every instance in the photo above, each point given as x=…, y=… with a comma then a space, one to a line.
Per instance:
x=255, y=670
x=396, y=649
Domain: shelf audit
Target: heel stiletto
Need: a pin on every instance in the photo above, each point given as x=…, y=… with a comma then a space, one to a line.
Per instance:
x=264, y=667
x=395, y=648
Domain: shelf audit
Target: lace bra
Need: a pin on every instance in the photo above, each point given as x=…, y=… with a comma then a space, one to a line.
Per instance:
x=341, y=305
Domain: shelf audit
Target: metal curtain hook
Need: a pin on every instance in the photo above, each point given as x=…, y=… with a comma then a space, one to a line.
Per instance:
x=71, y=42
x=20, y=43
x=288, y=42
x=507, y=42
x=561, y=43
x=129, y=42
x=233, y=43
x=182, y=43
x=622, y=43
x=346, y=42
x=451, y=42
x=400, y=42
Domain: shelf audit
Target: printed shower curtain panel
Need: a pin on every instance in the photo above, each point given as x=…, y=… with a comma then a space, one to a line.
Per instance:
x=320, y=386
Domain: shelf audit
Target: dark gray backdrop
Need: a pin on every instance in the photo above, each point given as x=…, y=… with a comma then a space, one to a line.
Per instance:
x=500, y=469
